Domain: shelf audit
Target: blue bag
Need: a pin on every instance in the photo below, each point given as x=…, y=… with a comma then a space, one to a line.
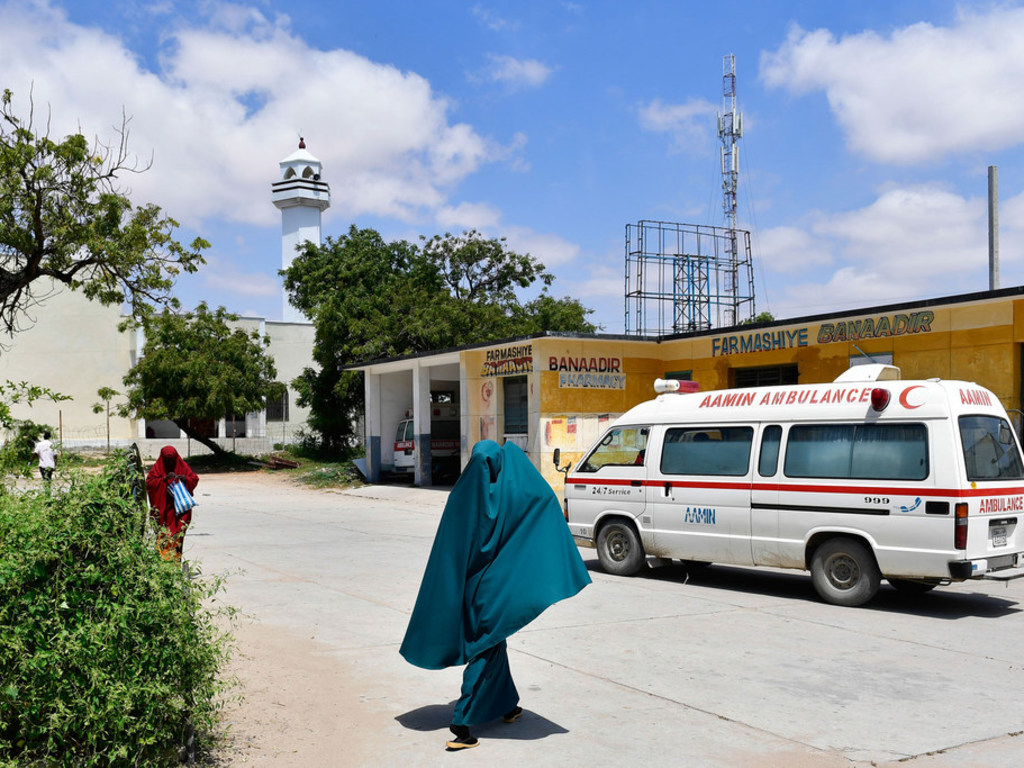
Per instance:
x=183, y=501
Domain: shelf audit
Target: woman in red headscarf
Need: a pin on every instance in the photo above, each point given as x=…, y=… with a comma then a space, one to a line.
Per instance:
x=167, y=469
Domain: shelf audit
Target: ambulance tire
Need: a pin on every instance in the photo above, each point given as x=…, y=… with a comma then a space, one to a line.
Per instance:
x=844, y=572
x=619, y=549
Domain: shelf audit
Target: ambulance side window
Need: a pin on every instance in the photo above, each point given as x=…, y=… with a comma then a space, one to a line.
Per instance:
x=706, y=451
x=620, y=447
x=771, y=438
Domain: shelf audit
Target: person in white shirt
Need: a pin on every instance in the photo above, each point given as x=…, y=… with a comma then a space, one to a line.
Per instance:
x=45, y=454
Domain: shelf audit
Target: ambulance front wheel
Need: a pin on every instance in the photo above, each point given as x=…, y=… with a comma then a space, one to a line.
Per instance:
x=844, y=572
x=619, y=549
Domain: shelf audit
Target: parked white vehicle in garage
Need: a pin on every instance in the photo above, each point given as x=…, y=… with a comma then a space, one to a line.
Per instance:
x=868, y=477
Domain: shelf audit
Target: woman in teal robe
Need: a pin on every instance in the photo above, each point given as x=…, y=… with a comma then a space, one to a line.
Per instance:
x=501, y=555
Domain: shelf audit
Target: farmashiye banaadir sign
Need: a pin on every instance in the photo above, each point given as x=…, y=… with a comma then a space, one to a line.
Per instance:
x=878, y=327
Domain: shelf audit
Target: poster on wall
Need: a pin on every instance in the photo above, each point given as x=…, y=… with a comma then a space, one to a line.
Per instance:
x=588, y=372
x=508, y=361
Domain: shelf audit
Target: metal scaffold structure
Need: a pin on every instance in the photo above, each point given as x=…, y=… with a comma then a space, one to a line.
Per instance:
x=689, y=277
x=682, y=277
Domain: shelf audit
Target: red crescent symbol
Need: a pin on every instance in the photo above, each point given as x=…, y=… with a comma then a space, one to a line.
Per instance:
x=905, y=392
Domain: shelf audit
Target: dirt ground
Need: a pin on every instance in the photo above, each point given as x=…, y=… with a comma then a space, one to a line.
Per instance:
x=292, y=695
x=285, y=709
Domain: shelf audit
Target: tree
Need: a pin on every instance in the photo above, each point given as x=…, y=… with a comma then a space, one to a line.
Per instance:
x=63, y=217
x=194, y=366
x=106, y=394
x=22, y=392
x=371, y=299
x=762, y=317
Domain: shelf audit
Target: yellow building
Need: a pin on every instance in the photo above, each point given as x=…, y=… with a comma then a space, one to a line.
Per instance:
x=561, y=391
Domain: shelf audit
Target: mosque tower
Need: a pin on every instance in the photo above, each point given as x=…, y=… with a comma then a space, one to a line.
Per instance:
x=302, y=197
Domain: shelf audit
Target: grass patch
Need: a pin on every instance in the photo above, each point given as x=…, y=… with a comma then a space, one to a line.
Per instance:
x=227, y=462
x=318, y=470
x=327, y=475
x=314, y=469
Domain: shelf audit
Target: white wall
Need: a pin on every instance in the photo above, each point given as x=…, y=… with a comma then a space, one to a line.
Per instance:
x=74, y=348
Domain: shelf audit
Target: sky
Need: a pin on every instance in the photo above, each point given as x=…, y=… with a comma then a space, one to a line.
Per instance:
x=868, y=130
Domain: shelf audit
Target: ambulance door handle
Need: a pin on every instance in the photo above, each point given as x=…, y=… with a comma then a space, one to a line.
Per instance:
x=668, y=490
x=636, y=483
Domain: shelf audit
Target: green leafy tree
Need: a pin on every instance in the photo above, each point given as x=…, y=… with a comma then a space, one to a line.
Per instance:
x=63, y=217
x=106, y=394
x=762, y=317
x=17, y=454
x=195, y=366
x=12, y=393
x=371, y=299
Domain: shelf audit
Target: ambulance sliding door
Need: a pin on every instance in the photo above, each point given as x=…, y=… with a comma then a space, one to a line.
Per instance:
x=765, y=545
x=700, y=494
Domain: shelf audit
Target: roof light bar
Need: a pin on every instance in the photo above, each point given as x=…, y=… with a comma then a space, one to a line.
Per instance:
x=661, y=386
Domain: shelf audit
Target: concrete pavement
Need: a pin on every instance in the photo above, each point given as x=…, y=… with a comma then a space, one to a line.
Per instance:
x=733, y=667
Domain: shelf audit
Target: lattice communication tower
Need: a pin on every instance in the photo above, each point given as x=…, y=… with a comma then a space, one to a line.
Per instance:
x=689, y=277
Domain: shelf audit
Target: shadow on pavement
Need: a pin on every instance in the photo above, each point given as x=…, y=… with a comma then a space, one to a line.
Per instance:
x=436, y=717
x=938, y=604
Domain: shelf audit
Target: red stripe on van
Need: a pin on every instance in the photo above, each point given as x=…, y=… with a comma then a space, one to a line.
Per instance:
x=890, y=490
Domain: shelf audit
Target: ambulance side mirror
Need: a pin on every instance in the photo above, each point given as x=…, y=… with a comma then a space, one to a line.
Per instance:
x=1005, y=436
x=557, y=458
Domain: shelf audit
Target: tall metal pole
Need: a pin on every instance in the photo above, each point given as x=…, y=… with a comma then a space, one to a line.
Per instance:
x=993, y=228
x=730, y=128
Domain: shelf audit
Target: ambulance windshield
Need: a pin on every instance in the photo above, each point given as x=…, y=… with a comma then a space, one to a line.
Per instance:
x=990, y=452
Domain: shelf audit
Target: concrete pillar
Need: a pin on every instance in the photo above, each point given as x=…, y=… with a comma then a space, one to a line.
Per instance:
x=421, y=418
x=374, y=459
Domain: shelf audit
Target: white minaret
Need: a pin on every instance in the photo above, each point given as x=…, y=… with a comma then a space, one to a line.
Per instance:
x=302, y=197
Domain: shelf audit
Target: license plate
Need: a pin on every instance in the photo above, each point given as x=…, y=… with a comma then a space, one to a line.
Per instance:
x=998, y=537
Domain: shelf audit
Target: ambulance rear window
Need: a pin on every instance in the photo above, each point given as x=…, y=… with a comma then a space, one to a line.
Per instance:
x=990, y=452
x=858, y=451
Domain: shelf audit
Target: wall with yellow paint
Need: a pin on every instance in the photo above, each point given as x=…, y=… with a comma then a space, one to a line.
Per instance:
x=578, y=386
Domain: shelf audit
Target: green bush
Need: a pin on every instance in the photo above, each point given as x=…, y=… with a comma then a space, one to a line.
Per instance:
x=16, y=455
x=107, y=655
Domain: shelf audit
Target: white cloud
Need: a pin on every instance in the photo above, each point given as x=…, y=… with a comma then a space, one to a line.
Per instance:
x=492, y=20
x=791, y=249
x=920, y=93
x=551, y=250
x=603, y=281
x=230, y=98
x=912, y=241
x=517, y=73
x=690, y=125
x=220, y=276
x=478, y=216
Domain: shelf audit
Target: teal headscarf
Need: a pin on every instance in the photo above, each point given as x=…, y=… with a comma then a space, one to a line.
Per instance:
x=501, y=555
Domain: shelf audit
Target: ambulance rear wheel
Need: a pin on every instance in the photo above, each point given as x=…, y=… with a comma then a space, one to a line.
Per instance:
x=619, y=549
x=844, y=572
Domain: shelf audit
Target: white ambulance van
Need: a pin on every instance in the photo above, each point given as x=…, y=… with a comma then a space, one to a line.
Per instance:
x=867, y=478
x=444, y=443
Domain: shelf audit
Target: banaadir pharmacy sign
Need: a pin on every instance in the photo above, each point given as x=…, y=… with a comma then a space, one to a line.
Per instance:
x=882, y=326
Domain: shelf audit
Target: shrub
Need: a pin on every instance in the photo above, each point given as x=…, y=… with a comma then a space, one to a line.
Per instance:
x=107, y=656
x=16, y=454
